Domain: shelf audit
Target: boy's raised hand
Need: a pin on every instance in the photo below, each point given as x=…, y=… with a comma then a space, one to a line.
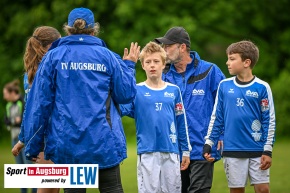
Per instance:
x=133, y=54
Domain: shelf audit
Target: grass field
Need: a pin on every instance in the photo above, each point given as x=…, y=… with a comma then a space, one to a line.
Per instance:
x=280, y=170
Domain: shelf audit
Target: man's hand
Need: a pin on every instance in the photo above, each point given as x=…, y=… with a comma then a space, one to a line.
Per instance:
x=185, y=163
x=208, y=157
x=266, y=162
x=133, y=55
x=206, y=153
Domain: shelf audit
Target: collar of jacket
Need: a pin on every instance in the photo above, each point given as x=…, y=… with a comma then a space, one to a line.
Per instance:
x=78, y=40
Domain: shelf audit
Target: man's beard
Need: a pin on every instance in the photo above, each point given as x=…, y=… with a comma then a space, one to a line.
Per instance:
x=173, y=61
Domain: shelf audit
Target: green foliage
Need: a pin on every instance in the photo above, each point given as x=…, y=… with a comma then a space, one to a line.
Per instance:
x=212, y=25
x=281, y=94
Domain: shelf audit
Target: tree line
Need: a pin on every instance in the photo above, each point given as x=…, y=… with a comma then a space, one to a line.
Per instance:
x=212, y=26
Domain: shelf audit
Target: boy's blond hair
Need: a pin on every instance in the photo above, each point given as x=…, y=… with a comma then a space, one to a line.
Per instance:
x=151, y=48
x=246, y=49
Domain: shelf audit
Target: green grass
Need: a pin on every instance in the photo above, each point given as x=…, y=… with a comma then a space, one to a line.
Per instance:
x=280, y=170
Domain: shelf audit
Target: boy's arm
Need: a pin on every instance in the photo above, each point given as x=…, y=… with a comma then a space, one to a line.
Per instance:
x=268, y=120
x=183, y=138
x=182, y=129
x=216, y=126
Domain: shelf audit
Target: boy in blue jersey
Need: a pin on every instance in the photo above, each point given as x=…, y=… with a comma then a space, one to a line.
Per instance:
x=244, y=112
x=160, y=126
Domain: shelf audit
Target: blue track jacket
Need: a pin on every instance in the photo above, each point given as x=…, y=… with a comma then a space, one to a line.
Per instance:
x=198, y=87
x=77, y=86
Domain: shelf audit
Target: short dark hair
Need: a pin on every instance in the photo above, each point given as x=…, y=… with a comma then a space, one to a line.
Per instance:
x=246, y=49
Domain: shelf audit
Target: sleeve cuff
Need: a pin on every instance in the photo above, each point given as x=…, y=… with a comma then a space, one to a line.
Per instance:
x=206, y=149
x=209, y=142
x=20, y=142
x=268, y=153
x=130, y=63
x=268, y=148
x=186, y=154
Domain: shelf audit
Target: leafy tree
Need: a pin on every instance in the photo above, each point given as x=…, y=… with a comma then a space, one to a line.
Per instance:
x=212, y=25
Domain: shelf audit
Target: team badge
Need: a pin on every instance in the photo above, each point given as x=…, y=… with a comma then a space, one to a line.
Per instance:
x=178, y=109
x=264, y=105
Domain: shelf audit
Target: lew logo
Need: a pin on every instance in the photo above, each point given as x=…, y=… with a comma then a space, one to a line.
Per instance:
x=198, y=92
x=252, y=94
x=167, y=94
x=51, y=175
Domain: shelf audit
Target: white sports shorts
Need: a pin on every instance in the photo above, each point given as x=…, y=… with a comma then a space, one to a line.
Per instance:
x=158, y=172
x=238, y=170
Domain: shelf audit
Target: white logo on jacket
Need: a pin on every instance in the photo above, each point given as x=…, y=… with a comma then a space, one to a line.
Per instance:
x=198, y=92
x=252, y=94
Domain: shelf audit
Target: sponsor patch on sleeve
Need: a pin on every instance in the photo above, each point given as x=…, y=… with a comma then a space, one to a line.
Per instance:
x=178, y=109
x=264, y=105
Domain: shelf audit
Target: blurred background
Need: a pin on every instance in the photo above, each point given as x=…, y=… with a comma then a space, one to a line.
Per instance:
x=212, y=26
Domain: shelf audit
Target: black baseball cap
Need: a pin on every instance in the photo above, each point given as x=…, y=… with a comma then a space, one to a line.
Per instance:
x=175, y=35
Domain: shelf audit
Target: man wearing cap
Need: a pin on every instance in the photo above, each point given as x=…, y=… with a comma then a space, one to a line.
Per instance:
x=198, y=81
x=77, y=86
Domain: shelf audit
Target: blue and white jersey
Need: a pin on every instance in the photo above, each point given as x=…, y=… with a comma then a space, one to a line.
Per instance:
x=245, y=114
x=160, y=119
